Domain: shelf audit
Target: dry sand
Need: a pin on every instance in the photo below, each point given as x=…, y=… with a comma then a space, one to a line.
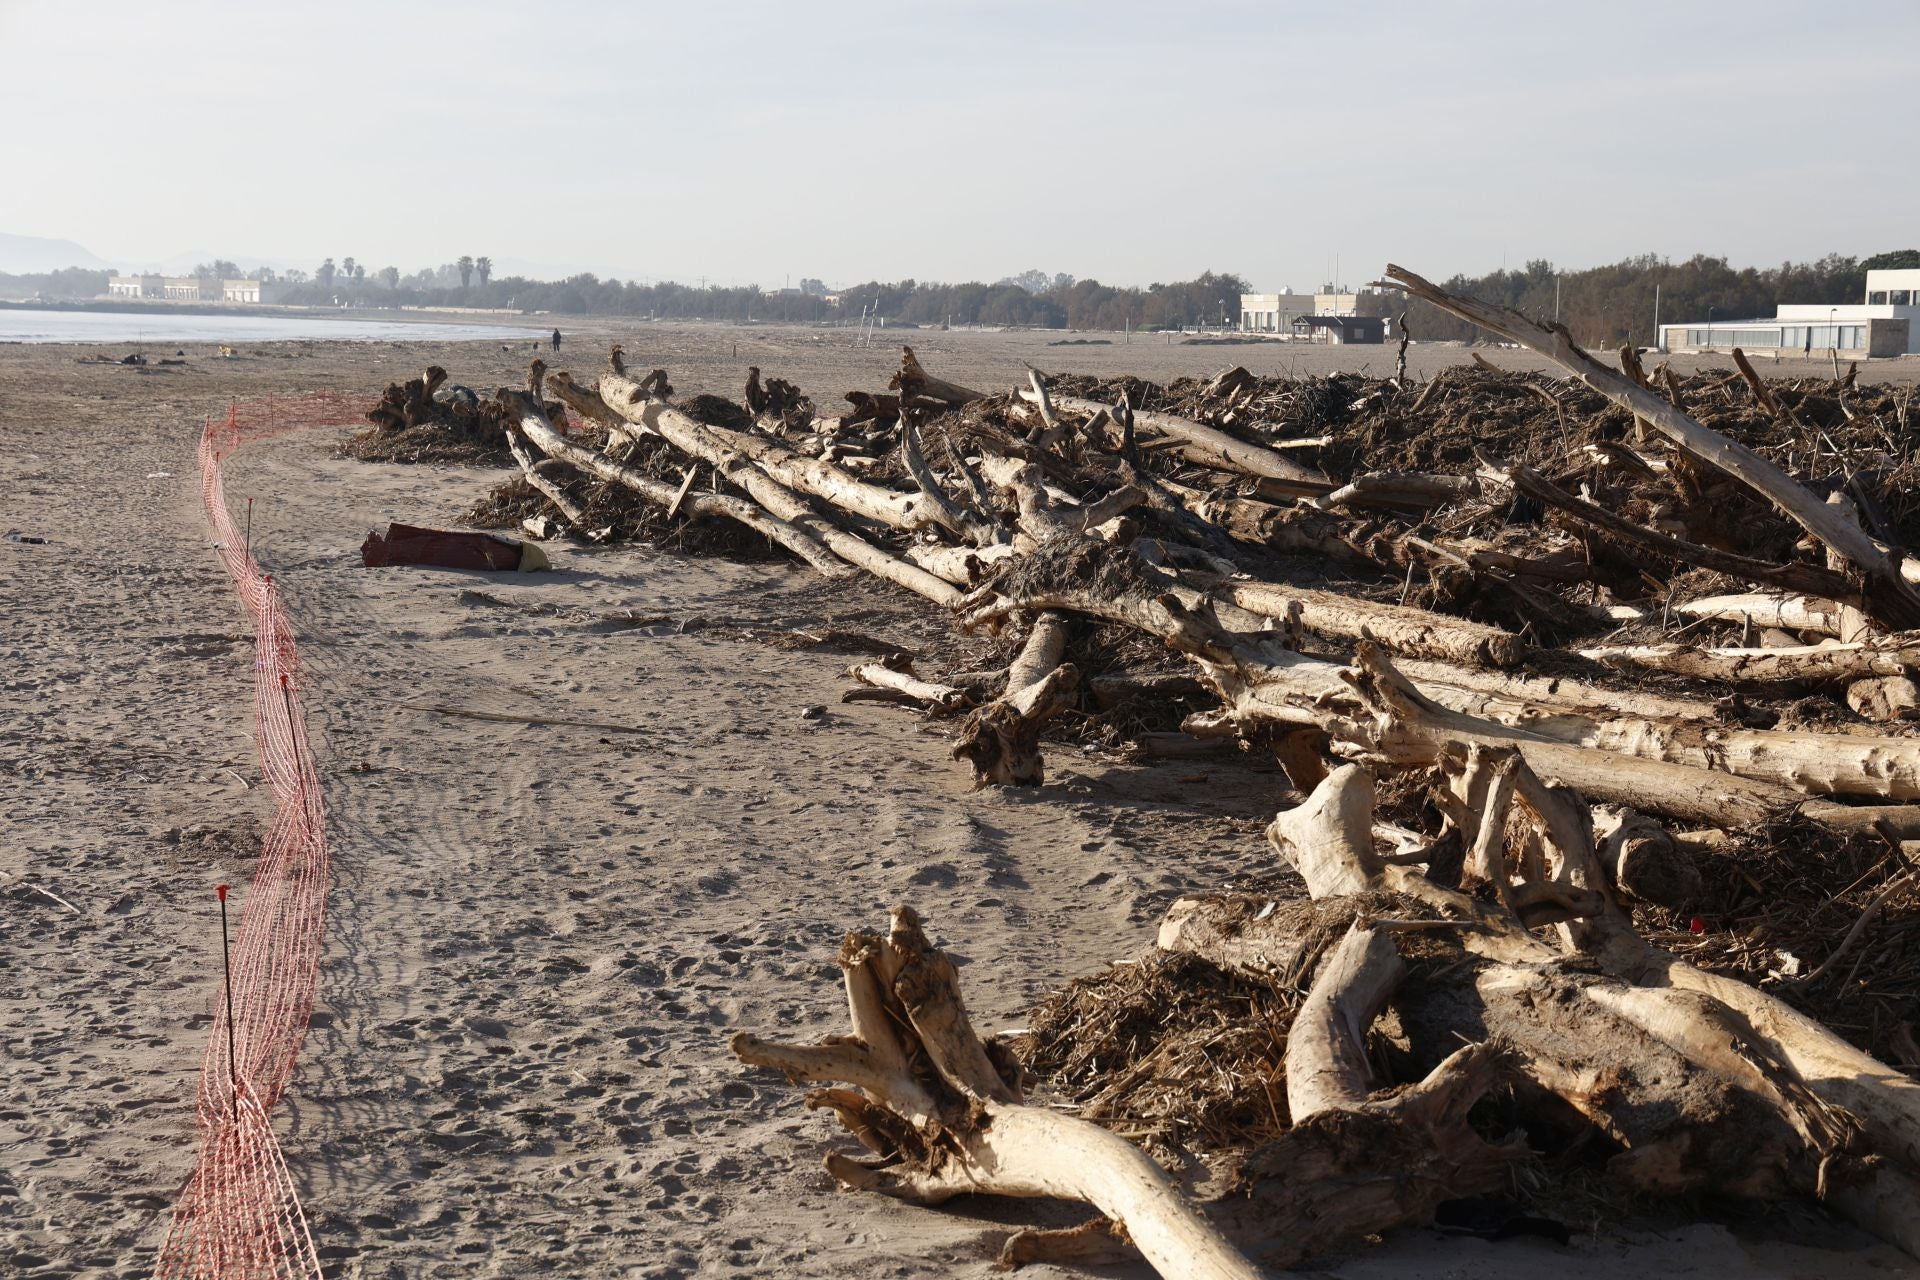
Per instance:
x=540, y=936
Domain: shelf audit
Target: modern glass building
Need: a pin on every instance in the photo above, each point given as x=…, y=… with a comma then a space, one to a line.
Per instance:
x=1886, y=324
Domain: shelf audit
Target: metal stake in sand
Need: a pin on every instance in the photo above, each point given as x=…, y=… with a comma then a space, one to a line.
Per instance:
x=248, y=546
x=226, y=960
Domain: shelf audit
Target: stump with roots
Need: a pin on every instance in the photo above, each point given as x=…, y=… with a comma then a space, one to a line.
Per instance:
x=942, y=1110
x=1692, y=1082
x=943, y=1114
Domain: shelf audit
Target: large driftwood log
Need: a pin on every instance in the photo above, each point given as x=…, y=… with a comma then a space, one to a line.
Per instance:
x=1210, y=446
x=547, y=488
x=1768, y=609
x=1372, y=710
x=1501, y=695
x=792, y=469
x=587, y=403
x=763, y=468
x=1814, y=764
x=1789, y=664
x=1401, y=725
x=1414, y=632
x=1884, y=593
x=963, y=566
x=913, y=381
x=942, y=1112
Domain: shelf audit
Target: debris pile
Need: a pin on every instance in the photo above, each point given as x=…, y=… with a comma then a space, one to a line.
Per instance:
x=1595, y=694
x=428, y=419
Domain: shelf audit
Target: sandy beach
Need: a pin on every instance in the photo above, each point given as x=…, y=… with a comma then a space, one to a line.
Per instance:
x=582, y=832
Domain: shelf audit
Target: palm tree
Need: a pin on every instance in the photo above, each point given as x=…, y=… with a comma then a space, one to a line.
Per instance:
x=390, y=276
x=483, y=267
x=466, y=270
x=324, y=274
x=346, y=265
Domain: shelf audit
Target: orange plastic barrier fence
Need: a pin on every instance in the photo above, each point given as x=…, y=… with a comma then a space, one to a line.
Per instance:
x=239, y=1214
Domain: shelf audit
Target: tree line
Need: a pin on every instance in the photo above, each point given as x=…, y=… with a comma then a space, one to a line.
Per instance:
x=1602, y=306
x=1031, y=299
x=1611, y=305
x=1062, y=303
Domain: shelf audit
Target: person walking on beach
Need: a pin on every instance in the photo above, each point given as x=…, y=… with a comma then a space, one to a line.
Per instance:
x=556, y=339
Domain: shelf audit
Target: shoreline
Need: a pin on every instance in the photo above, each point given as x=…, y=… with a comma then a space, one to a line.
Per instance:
x=418, y=315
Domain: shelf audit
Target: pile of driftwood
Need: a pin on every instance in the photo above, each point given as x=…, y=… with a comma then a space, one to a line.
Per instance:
x=429, y=419
x=1595, y=719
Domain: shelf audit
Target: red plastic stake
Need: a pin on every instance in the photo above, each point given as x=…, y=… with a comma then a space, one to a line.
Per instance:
x=226, y=960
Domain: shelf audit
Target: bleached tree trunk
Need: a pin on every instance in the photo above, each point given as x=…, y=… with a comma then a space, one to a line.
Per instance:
x=794, y=470
x=1768, y=609
x=1414, y=632
x=1370, y=709
x=766, y=486
x=587, y=404
x=1210, y=446
x=961, y=566
x=548, y=489
x=1835, y=660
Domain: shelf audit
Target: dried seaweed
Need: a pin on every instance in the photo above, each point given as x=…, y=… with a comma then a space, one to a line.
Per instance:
x=1169, y=1048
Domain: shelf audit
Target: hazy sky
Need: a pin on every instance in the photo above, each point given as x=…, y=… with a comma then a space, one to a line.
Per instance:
x=1128, y=142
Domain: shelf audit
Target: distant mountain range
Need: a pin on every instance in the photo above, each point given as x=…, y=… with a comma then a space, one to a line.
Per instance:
x=21, y=255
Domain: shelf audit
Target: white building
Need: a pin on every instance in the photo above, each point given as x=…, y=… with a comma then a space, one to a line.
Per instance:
x=1273, y=312
x=1886, y=324
x=136, y=287
x=248, y=291
x=1281, y=312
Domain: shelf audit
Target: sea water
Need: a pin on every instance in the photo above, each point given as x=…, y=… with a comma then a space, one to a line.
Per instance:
x=156, y=327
